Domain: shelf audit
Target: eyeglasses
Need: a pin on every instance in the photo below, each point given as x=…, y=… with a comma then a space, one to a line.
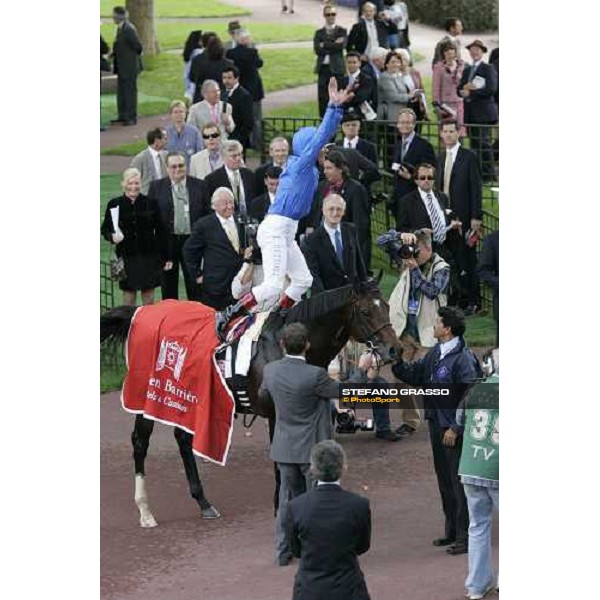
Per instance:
x=426, y=178
x=178, y=166
x=210, y=136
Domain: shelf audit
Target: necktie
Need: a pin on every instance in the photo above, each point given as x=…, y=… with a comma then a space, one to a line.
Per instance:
x=439, y=229
x=447, y=172
x=472, y=73
x=232, y=234
x=339, y=249
x=215, y=113
x=404, y=150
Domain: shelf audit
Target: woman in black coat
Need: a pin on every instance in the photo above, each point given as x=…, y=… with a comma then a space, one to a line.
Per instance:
x=209, y=65
x=139, y=238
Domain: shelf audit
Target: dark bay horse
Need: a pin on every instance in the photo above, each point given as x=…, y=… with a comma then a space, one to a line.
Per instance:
x=332, y=318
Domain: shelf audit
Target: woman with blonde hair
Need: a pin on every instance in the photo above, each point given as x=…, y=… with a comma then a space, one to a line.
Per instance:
x=132, y=223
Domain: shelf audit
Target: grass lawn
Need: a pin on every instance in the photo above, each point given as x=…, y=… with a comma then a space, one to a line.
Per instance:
x=162, y=79
x=184, y=8
x=173, y=34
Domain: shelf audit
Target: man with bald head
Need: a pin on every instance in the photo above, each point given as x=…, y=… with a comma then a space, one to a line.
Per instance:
x=212, y=254
x=332, y=250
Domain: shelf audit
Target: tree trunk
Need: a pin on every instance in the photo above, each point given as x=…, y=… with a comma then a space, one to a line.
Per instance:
x=141, y=14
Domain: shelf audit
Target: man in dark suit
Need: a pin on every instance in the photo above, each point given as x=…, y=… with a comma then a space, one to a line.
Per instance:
x=478, y=85
x=368, y=33
x=329, y=528
x=488, y=270
x=279, y=150
x=358, y=211
x=374, y=67
x=182, y=200
x=241, y=103
x=213, y=254
x=459, y=177
x=301, y=394
x=233, y=176
x=410, y=150
x=426, y=209
x=259, y=205
x=329, y=43
x=359, y=82
x=126, y=65
x=247, y=60
x=351, y=130
x=332, y=250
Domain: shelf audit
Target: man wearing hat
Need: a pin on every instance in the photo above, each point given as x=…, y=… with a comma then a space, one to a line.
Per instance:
x=351, y=129
x=232, y=28
x=477, y=86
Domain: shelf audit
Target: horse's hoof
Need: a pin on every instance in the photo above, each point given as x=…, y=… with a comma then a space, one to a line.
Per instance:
x=148, y=522
x=210, y=513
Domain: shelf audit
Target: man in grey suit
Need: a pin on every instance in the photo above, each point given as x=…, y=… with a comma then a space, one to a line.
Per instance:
x=127, y=64
x=151, y=161
x=211, y=110
x=301, y=394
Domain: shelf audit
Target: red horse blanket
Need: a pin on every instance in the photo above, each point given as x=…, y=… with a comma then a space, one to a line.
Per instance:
x=173, y=376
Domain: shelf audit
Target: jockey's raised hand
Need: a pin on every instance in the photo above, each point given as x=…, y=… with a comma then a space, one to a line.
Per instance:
x=338, y=97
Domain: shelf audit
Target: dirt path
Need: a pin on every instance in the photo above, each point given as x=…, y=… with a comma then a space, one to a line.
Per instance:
x=186, y=558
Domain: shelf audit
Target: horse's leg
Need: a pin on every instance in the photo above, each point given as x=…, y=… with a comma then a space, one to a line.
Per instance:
x=140, y=439
x=277, y=474
x=184, y=441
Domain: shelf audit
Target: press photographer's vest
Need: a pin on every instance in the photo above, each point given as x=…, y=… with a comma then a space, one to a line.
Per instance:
x=427, y=311
x=480, y=453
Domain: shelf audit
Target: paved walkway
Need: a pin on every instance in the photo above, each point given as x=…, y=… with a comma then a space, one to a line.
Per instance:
x=423, y=37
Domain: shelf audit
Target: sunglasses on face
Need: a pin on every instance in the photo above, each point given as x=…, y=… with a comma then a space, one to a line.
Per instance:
x=425, y=178
x=178, y=166
x=330, y=14
x=210, y=136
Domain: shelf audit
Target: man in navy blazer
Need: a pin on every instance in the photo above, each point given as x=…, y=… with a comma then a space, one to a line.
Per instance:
x=329, y=528
x=410, y=151
x=478, y=85
x=182, y=200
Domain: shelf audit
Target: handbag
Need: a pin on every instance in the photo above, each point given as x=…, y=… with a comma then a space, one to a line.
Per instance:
x=117, y=268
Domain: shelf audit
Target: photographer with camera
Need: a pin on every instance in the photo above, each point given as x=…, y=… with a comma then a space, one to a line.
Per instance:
x=421, y=289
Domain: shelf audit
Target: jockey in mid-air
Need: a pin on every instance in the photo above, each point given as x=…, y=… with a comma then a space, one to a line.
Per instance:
x=281, y=255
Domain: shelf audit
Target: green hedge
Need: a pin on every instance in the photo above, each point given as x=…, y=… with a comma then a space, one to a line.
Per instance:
x=476, y=15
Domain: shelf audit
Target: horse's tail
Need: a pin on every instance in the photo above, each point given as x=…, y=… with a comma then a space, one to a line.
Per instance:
x=114, y=324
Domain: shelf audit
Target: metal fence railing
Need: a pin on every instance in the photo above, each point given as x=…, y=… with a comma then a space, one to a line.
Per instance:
x=483, y=140
x=111, y=354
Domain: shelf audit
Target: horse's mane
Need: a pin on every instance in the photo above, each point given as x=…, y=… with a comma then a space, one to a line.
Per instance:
x=320, y=304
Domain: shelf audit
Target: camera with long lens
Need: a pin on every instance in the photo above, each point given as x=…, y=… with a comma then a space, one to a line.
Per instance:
x=348, y=423
x=392, y=244
x=249, y=231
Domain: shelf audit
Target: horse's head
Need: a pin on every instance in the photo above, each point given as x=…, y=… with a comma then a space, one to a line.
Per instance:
x=370, y=322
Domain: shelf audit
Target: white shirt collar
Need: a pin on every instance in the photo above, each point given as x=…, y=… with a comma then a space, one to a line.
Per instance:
x=298, y=356
x=271, y=197
x=409, y=139
x=182, y=182
x=476, y=63
x=454, y=150
x=319, y=482
x=447, y=347
x=235, y=87
x=222, y=220
x=154, y=153
x=331, y=230
x=230, y=173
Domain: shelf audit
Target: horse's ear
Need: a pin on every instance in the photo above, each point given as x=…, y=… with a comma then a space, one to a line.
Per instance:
x=379, y=277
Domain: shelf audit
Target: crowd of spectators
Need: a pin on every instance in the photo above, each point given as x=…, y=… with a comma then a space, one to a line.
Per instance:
x=189, y=202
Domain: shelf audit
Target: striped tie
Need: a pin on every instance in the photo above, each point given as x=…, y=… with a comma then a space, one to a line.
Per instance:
x=439, y=229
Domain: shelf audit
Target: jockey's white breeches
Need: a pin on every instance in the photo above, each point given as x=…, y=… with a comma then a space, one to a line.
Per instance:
x=281, y=256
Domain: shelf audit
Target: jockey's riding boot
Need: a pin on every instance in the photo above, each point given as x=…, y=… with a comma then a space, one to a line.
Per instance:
x=224, y=317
